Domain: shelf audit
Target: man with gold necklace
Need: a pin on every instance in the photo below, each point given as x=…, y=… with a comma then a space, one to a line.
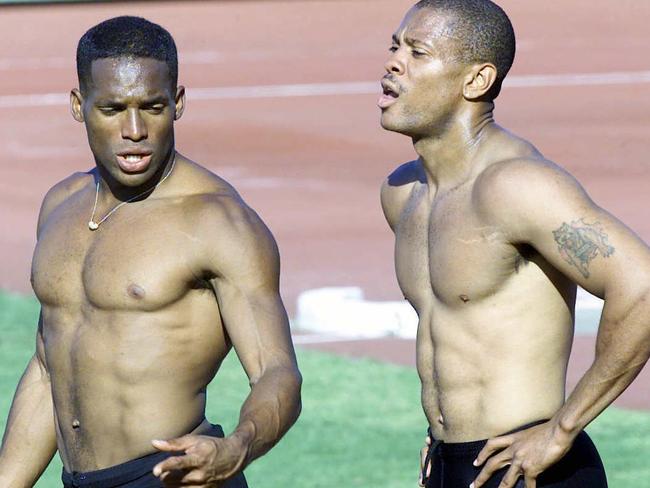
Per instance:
x=148, y=268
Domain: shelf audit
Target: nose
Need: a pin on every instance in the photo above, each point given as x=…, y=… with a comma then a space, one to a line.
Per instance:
x=134, y=127
x=395, y=64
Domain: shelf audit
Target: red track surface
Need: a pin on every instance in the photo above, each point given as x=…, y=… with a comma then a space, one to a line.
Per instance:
x=312, y=166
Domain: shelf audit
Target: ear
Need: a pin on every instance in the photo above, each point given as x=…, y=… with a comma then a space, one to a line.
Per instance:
x=180, y=102
x=479, y=81
x=76, y=105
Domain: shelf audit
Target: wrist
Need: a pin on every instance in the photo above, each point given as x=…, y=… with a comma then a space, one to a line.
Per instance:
x=565, y=429
x=244, y=437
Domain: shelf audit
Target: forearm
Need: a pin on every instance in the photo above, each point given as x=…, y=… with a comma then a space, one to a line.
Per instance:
x=622, y=350
x=271, y=408
x=29, y=441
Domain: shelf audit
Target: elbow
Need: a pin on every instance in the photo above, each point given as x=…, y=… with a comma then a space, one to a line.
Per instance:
x=293, y=388
x=294, y=379
x=298, y=381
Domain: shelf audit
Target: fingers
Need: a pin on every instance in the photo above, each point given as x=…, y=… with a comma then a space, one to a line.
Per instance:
x=178, y=444
x=493, y=445
x=173, y=463
x=425, y=471
x=530, y=482
x=195, y=478
x=494, y=464
x=511, y=477
x=423, y=457
x=509, y=480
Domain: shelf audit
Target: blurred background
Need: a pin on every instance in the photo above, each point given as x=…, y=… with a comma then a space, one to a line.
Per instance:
x=281, y=102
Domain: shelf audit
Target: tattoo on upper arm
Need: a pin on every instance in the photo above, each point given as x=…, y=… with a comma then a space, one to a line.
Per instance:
x=580, y=242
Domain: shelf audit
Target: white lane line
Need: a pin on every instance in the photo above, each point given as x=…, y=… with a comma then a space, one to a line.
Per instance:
x=344, y=88
x=68, y=62
x=282, y=91
x=34, y=100
x=579, y=79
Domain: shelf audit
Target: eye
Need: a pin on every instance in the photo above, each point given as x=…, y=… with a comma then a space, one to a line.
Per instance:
x=417, y=53
x=108, y=111
x=393, y=48
x=155, y=109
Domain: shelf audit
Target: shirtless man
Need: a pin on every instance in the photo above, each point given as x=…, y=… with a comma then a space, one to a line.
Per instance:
x=491, y=240
x=148, y=268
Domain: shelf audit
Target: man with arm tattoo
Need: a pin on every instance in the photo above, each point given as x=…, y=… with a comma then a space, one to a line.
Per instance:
x=491, y=240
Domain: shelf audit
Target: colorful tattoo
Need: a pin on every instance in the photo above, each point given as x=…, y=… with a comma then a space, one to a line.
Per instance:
x=580, y=242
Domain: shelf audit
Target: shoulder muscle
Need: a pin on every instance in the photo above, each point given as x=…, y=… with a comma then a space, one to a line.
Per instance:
x=238, y=245
x=396, y=189
x=520, y=195
x=59, y=193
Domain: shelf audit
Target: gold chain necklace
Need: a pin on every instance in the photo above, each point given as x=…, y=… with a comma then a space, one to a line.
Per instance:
x=92, y=225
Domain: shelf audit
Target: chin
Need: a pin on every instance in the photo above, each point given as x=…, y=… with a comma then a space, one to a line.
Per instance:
x=393, y=125
x=387, y=122
x=132, y=179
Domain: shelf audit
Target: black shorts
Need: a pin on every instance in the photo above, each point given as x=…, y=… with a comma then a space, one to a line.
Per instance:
x=136, y=473
x=451, y=466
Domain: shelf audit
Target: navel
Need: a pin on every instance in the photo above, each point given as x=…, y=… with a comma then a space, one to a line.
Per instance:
x=464, y=298
x=136, y=291
x=75, y=424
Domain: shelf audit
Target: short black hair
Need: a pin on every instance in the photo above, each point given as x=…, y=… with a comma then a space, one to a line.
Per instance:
x=126, y=36
x=482, y=33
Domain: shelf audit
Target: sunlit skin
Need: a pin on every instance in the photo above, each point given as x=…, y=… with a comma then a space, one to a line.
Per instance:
x=129, y=108
x=474, y=220
x=425, y=79
x=138, y=315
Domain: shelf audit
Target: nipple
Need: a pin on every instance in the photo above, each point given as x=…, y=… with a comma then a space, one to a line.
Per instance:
x=135, y=291
x=75, y=424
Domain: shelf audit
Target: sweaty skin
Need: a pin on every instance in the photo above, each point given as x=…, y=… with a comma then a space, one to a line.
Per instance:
x=490, y=241
x=138, y=315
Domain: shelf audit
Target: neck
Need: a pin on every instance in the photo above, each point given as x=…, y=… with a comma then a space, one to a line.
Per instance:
x=449, y=157
x=111, y=188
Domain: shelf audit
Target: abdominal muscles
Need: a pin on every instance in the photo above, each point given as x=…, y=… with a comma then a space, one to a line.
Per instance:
x=494, y=364
x=121, y=379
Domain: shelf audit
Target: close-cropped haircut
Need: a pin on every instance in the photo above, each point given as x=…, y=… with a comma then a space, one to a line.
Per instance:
x=126, y=36
x=482, y=33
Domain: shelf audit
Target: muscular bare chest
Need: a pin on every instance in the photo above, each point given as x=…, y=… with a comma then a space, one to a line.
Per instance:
x=444, y=250
x=135, y=260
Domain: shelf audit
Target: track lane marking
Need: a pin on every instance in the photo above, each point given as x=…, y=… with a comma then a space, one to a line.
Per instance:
x=344, y=88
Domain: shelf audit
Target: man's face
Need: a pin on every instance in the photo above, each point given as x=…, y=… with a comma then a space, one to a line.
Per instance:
x=129, y=108
x=423, y=84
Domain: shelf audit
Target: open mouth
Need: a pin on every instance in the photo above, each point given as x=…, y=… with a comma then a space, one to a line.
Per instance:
x=388, y=96
x=133, y=162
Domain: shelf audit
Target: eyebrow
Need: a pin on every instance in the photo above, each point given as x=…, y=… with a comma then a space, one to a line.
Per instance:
x=156, y=99
x=409, y=41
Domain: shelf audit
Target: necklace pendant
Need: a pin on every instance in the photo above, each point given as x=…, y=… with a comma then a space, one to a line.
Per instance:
x=93, y=225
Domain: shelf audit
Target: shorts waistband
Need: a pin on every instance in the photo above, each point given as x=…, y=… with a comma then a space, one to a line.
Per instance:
x=471, y=448
x=124, y=472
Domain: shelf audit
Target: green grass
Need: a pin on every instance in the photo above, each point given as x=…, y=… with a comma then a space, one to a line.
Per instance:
x=361, y=424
